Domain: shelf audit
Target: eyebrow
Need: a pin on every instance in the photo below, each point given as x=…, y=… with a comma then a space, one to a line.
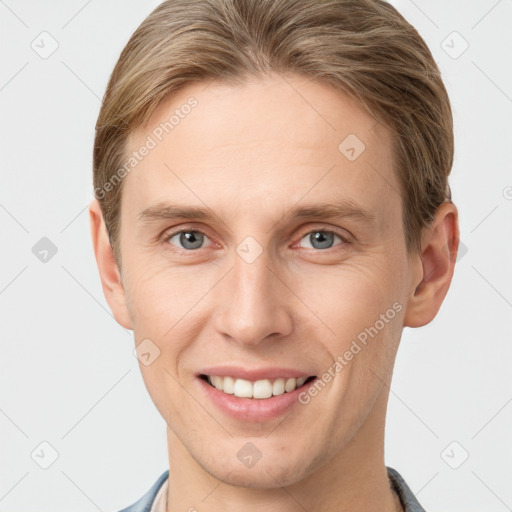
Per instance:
x=340, y=209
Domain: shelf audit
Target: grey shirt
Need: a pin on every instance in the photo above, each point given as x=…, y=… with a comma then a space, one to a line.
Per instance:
x=409, y=501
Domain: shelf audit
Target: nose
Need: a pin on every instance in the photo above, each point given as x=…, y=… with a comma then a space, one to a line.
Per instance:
x=254, y=303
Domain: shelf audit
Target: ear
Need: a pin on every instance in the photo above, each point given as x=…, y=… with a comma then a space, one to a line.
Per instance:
x=110, y=275
x=440, y=243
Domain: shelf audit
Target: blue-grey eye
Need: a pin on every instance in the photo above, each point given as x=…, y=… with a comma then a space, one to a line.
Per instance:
x=188, y=239
x=320, y=239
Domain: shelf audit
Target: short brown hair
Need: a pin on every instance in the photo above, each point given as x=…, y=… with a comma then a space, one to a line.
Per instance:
x=364, y=48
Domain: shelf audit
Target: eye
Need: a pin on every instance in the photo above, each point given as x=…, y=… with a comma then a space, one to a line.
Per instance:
x=321, y=239
x=191, y=240
x=187, y=239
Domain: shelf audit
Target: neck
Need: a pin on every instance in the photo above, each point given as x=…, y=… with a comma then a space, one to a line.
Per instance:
x=355, y=479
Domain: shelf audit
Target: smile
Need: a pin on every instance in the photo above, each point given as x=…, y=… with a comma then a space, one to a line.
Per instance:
x=259, y=389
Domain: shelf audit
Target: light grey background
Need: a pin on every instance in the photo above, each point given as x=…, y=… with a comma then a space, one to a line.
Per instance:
x=68, y=376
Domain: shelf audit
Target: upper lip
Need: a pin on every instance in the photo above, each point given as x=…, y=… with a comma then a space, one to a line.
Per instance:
x=254, y=374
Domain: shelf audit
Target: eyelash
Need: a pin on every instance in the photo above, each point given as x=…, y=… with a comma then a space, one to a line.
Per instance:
x=345, y=240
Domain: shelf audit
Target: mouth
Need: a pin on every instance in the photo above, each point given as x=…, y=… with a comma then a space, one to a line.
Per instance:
x=259, y=389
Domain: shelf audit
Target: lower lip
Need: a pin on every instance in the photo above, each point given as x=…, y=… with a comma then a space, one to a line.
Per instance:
x=253, y=409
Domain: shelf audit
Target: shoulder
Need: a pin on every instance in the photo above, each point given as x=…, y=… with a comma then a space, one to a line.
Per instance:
x=409, y=501
x=145, y=503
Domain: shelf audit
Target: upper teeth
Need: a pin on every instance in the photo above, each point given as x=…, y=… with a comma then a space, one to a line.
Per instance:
x=259, y=389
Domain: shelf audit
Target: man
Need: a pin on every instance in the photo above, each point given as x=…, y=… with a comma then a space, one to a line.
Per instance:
x=272, y=208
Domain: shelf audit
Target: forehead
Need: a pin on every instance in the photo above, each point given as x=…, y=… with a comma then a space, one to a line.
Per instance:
x=269, y=142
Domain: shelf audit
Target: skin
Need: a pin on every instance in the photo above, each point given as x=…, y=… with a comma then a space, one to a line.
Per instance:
x=251, y=152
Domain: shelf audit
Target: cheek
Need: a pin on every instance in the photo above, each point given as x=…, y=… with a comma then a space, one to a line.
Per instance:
x=152, y=290
x=358, y=320
x=162, y=310
x=166, y=303
x=350, y=295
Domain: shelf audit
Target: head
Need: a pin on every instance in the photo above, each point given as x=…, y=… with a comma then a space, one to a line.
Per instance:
x=316, y=140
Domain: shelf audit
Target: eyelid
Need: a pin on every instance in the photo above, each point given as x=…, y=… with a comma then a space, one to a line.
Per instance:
x=344, y=242
x=345, y=236
x=169, y=233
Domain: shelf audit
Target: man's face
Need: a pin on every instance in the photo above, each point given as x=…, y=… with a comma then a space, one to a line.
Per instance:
x=256, y=291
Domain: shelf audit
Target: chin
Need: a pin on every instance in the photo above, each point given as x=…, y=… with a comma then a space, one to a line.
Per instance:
x=263, y=475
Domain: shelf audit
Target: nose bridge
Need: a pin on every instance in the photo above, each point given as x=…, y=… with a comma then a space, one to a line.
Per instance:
x=253, y=308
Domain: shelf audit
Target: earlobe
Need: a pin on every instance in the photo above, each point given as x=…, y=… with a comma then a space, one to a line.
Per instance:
x=110, y=275
x=439, y=251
